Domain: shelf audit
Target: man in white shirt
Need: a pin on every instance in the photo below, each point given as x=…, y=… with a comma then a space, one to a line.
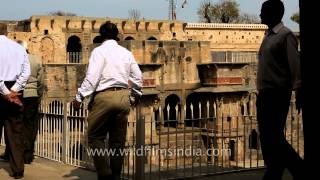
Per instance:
x=110, y=69
x=14, y=73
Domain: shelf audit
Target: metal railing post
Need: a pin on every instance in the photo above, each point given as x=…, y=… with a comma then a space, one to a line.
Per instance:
x=65, y=132
x=140, y=144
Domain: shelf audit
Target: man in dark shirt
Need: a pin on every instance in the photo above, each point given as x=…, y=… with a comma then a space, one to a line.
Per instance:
x=278, y=74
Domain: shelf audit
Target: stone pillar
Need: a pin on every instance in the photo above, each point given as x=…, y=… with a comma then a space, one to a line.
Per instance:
x=181, y=116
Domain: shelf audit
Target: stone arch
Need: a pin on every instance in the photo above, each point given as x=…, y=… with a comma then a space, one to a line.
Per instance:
x=170, y=113
x=152, y=38
x=47, y=50
x=56, y=107
x=192, y=109
x=232, y=147
x=74, y=49
x=129, y=38
x=97, y=40
x=74, y=44
x=253, y=139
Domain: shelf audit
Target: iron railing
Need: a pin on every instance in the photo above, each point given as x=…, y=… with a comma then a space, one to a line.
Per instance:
x=234, y=57
x=74, y=57
x=163, y=146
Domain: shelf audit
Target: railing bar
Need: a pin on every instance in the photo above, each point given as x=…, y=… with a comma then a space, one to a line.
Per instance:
x=298, y=133
x=231, y=119
x=222, y=139
x=153, y=124
x=200, y=125
x=134, y=140
x=168, y=139
x=176, y=153
x=250, y=149
x=244, y=140
x=72, y=141
x=192, y=165
x=161, y=127
x=237, y=143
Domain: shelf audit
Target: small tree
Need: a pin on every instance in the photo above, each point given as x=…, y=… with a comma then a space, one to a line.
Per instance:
x=225, y=11
x=61, y=13
x=296, y=17
x=134, y=14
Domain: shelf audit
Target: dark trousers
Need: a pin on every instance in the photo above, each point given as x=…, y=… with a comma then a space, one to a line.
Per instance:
x=11, y=118
x=30, y=120
x=108, y=115
x=278, y=154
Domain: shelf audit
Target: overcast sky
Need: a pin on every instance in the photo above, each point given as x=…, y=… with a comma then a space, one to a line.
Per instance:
x=150, y=9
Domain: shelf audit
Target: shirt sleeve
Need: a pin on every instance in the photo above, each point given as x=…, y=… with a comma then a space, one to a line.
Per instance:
x=23, y=76
x=3, y=89
x=40, y=79
x=294, y=60
x=90, y=83
x=135, y=76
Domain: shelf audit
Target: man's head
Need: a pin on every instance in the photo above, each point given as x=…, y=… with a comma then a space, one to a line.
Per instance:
x=108, y=30
x=272, y=12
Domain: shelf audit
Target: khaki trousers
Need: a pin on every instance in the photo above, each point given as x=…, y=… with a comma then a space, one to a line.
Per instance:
x=108, y=115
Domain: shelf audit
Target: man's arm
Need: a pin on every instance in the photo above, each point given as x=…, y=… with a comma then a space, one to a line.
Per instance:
x=3, y=88
x=23, y=76
x=295, y=69
x=89, y=84
x=40, y=78
x=136, y=79
x=293, y=60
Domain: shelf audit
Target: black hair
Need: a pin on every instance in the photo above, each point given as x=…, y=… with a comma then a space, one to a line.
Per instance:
x=276, y=6
x=108, y=30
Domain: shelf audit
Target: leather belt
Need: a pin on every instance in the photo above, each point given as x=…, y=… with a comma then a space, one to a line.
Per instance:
x=113, y=89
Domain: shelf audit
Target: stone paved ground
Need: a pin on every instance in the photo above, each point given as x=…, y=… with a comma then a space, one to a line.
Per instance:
x=43, y=169
x=49, y=170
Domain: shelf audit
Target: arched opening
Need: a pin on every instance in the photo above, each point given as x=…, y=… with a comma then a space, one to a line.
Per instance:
x=54, y=117
x=47, y=50
x=74, y=49
x=97, y=40
x=171, y=111
x=192, y=110
x=248, y=108
x=152, y=38
x=56, y=107
x=157, y=119
x=232, y=148
x=242, y=109
x=129, y=38
x=78, y=113
x=253, y=140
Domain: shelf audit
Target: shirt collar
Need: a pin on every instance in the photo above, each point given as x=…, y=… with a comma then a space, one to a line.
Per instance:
x=277, y=28
x=110, y=42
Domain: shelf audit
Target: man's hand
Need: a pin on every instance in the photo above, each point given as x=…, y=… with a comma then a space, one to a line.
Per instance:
x=13, y=98
x=134, y=100
x=298, y=100
x=76, y=104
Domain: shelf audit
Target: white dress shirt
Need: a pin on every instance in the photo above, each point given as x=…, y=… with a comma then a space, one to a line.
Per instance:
x=14, y=65
x=110, y=65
